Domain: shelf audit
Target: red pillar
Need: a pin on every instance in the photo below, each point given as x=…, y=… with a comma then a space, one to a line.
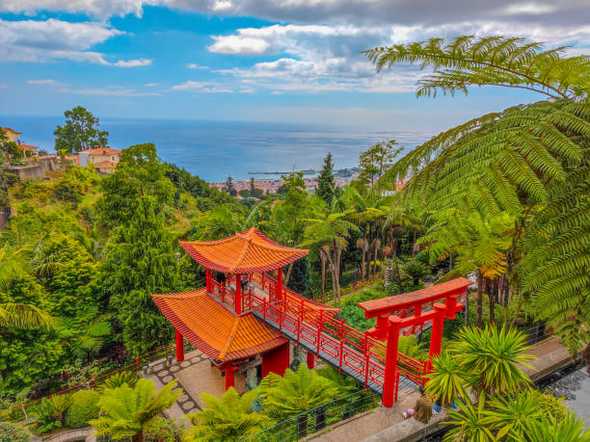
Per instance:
x=279, y=287
x=438, y=323
x=391, y=354
x=179, y=347
x=238, y=297
x=230, y=380
x=310, y=360
x=208, y=284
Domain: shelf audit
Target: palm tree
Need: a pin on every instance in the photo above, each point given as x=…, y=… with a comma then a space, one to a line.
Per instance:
x=569, y=429
x=227, y=418
x=127, y=412
x=480, y=243
x=447, y=382
x=330, y=231
x=492, y=358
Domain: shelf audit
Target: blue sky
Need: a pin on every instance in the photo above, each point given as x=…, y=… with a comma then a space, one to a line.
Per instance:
x=258, y=60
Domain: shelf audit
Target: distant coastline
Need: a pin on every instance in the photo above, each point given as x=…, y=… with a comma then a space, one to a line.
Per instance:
x=216, y=150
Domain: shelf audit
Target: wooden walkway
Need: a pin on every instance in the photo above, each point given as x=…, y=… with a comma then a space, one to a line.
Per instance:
x=550, y=356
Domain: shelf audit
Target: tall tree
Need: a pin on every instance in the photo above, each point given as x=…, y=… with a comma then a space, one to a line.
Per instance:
x=376, y=160
x=326, y=183
x=229, y=186
x=80, y=131
x=141, y=259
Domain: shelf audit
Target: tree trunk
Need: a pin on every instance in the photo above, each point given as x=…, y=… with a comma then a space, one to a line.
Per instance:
x=479, y=299
x=288, y=275
x=138, y=437
x=492, y=293
x=323, y=272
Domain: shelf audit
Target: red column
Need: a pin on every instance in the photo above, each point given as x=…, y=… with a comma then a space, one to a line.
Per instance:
x=279, y=287
x=438, y=323
x=230, y=380
x=208, y=280
x=391, y=354
x=238, y=297
x=310, y=360
x=179, y=347
x=276, y=361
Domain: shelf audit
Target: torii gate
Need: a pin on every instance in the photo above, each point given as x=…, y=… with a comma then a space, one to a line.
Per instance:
x=389, y=325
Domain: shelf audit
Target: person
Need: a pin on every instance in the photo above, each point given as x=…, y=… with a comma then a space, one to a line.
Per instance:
x=423, y=407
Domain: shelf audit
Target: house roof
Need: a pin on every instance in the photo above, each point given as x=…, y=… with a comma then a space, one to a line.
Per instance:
x=8, y=129
x=27, y=147
x=213, y=329
x=245, y=252
x=102, y=151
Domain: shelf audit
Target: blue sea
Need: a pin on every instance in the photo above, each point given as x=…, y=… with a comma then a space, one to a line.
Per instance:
x=215, y=150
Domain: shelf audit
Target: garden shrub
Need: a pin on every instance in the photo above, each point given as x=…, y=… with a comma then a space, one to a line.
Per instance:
x=10, y=432
x=84, y=407
x=50, y=413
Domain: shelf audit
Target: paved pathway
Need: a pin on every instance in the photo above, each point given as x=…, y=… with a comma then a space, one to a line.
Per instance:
x=550, y=355
x=166, y=374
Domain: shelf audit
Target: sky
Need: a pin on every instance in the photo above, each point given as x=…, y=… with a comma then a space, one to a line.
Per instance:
x=256, y=60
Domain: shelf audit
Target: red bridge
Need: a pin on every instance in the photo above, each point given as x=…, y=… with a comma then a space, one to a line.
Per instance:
x=371, y=357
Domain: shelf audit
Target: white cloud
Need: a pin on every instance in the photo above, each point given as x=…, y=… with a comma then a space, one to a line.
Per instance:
x=203, y=87
x=36, y=41
x=196, y=66
x=529, y=8
x=239, y=44
x=140, y=62
x=151, y=84
x=43, y=82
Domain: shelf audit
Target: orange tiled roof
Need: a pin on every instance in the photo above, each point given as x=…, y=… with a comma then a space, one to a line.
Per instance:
x=102, y=151
x=245, y=252
x=213, y=329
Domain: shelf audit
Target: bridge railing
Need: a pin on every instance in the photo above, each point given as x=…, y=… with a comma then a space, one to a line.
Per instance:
x=317, y=328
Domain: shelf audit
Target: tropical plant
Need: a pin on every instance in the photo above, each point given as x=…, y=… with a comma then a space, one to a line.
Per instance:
x=229, y=418
x=119, y=379
x=127, y=412
x=330, y=231
x=569, y=429
x=50, y=413
x=467, y=423
x=83, y=408
x=24, y=316
x=513, y=417
x=518, y=160
x=326, y=189
x=295, y=392
x=448, y=381
x=492, y=358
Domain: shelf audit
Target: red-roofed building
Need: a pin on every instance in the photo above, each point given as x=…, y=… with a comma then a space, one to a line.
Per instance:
x=104, y=159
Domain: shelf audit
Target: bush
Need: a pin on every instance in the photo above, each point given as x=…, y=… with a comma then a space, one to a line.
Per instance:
x=10, y=432
x=83, y=408
x=50, y=413
x=119, y=379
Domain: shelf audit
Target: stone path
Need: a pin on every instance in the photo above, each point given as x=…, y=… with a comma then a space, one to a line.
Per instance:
x=166, y=374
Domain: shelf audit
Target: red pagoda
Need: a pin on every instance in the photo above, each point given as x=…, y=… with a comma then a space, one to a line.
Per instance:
x=216, y=319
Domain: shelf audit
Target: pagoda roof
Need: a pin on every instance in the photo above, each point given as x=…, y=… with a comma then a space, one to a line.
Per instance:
x=214, y=330
x=245, y=252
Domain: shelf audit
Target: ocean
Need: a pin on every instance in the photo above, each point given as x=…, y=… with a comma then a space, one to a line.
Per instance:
x=215, y=150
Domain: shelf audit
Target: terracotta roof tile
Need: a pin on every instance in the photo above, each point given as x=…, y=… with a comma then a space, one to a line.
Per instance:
x=245, y=252
x=102, y=151
x=213, y=329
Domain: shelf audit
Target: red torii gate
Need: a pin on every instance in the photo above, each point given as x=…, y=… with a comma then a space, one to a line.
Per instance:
x=389, y=326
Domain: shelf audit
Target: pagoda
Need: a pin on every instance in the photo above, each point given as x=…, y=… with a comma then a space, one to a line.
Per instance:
x=217, y=319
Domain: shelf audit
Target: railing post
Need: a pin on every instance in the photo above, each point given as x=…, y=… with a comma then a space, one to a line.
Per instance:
x=279, y=286
x=238, y=295
x=319, y=331
x=367, y=359
x=390, y=376
x=341, y=336
x=300, y=320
